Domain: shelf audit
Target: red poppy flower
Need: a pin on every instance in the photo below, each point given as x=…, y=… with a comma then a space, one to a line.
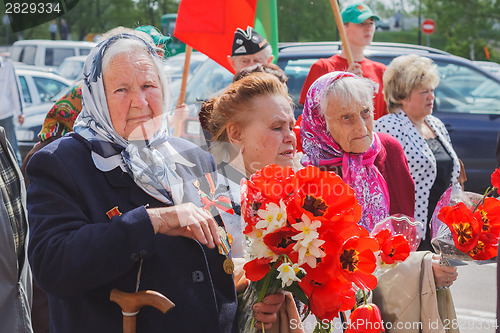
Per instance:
x=343, y=230
x=392, y=248
x=357, y=261
x=256, y=269
x=489, y=214
x=322, y=194
x=273, y=181
x=463, y=225
x=251, y=201
x=366, y=318
x=486, y=248
x=280, y=241
x=495, y=179
x=328, y=298
x=326, y=267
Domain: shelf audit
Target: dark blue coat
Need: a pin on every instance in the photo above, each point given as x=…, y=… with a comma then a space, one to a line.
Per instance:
x=78, y=254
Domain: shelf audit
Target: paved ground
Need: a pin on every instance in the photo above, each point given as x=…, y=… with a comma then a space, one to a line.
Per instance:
x=475, y=298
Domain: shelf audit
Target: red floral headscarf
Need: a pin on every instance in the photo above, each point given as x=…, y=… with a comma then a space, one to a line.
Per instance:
x=358, y=170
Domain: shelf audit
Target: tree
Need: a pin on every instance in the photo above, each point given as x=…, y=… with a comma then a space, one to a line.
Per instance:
x=305, y=21
x=98, y=16
x=464, y=22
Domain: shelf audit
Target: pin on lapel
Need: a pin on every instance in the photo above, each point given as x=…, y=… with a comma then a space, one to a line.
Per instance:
x=113, y=212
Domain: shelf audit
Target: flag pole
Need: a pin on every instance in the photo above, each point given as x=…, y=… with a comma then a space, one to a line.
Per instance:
x=343, y=36
x=182, y=96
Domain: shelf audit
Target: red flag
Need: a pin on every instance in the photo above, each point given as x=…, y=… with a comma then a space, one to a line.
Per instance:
x=209, y=25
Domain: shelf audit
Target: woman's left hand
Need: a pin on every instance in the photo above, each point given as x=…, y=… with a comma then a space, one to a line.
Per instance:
x=444, y=276
x=265, y=312
x=186, y=220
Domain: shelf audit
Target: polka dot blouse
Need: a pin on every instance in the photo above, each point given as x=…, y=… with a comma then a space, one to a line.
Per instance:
x=421, y=160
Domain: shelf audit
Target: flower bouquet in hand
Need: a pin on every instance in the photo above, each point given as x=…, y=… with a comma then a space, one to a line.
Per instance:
x=303, y=237
x=398, y=235
x=466, y=226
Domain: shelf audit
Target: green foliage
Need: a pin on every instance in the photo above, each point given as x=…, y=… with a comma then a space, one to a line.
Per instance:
x=463, y=23
x=98, y=16
x=306, y=20
x=409, y=37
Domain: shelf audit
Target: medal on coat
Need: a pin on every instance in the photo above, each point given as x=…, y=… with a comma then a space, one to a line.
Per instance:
x=223, y=203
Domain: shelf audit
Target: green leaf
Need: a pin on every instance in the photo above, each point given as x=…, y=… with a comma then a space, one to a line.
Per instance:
x=297, y=292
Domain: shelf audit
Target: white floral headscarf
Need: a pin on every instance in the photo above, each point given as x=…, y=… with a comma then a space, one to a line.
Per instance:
x=151, y=163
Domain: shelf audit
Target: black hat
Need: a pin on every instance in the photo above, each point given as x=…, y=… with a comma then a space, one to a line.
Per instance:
x=248, y=42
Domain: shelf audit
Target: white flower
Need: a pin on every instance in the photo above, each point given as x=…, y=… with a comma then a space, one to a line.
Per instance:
x=307, y=230
x=257, y=247
x=288, y=273
x=309, y=254
x=273, y=217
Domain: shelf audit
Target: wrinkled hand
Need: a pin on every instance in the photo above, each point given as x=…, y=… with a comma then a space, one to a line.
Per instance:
x=355, y=69
x=444, y=276
x=266, y=311
x=186, y=220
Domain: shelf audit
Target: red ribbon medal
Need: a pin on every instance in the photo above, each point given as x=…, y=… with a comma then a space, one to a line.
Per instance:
x=223, y=203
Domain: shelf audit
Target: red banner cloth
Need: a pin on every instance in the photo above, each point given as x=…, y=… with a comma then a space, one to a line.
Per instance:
x=209, y=25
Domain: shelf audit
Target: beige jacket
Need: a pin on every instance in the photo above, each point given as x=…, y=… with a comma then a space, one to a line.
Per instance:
x=409, y=302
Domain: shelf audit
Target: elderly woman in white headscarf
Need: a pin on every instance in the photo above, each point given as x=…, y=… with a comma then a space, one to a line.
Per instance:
x=117, y=205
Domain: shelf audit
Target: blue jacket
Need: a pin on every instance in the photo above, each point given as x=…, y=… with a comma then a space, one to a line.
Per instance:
x=79, y=254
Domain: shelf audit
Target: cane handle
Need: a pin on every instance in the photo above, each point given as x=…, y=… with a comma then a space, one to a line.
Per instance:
x=131, y=303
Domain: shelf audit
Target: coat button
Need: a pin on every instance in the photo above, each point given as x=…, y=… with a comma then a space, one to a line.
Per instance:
x=198, y=276
x=134, y=257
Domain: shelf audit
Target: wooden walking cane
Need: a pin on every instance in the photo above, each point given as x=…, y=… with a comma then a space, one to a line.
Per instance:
x=343, y=36
x=131, y=303
x=182, y=96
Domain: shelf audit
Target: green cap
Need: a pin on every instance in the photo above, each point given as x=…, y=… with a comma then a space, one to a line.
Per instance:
x=157, y=36
x=358, y=13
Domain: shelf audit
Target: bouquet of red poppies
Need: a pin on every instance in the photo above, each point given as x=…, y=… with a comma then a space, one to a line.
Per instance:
x=466, y=226
x=303, y=237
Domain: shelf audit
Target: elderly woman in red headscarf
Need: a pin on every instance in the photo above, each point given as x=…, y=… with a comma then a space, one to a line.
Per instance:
x=337, y=135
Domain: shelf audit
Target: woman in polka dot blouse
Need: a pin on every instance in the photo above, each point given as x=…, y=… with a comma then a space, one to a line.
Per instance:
x=409, y=84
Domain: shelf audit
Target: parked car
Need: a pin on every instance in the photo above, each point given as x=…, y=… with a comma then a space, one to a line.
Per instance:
x=38, y=86
x=34, y=116
x=174, y=65
x=51, y=53
x=490, y=66
x=382, y=25
x=72, y=68
x=467, y=98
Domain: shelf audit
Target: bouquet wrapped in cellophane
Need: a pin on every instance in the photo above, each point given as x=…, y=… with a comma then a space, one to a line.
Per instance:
x=398, y=235
x=303, y=237
x=466, y=226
